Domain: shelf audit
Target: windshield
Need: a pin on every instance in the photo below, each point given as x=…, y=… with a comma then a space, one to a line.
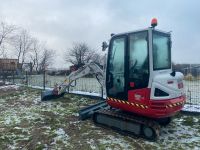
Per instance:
x=161, y=51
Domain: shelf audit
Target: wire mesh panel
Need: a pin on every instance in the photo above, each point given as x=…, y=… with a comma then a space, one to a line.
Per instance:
x=192, y=88
x=90, y=85
x=48, y=80
x=35, y=80
x=85, y=85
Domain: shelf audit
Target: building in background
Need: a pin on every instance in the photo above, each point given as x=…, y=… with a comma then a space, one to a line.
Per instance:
x=8, y=64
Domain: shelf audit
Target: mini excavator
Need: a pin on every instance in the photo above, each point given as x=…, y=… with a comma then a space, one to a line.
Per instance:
x=142, y=90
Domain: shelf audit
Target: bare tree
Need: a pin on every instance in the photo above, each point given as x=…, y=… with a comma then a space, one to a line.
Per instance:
x=47, y=58
x=79, y=54
x=22, y=44
x=35, y=55
x=6, y=34
x=99, y=59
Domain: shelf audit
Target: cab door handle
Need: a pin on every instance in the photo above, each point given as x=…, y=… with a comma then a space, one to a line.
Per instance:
x=132, y=84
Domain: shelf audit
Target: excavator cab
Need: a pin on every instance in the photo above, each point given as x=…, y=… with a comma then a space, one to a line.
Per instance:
x=139, y=74
x=131, y=59
x=128, y=64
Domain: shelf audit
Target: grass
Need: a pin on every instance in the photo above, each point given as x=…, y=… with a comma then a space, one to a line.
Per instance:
x=188, y=121
x=28, y=123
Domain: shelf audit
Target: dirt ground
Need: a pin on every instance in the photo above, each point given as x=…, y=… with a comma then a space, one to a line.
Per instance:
x=28, y=123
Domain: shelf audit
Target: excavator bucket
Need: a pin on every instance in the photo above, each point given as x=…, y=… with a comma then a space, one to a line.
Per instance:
x=49, y=95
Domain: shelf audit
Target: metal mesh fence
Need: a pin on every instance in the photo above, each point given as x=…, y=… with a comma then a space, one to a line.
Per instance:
x=91, y=85
x=192, y=88
x=84, y=85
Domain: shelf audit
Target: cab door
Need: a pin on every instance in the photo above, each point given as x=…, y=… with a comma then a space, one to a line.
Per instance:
x=115, y=74
x=139, y=59
x=138, y=66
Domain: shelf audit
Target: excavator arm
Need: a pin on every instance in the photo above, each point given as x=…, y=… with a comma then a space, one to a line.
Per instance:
x=60, y=90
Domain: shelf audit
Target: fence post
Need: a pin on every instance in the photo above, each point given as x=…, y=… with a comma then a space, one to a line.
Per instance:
x=68, y=89
x=4, y=77
x=13, y=77
x=26, y=77
x=44, y=80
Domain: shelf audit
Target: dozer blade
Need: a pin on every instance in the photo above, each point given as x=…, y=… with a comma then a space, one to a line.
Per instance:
x=88, y=111
x=49, y=95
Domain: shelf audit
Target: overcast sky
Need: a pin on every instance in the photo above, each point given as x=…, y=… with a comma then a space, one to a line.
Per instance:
x=62, y=22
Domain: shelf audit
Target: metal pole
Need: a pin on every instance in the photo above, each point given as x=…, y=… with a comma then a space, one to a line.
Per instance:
x=44, y=79
x=13, y=77
x=4, y=77
x=26, y=78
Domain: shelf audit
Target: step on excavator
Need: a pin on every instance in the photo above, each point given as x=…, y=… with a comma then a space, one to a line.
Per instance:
x=142, y=91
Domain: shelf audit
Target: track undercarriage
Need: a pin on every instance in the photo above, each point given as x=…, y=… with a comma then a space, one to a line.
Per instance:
x=127, y=124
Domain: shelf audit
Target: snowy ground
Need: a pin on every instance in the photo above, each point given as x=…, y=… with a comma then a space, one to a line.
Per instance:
x=192, y=108
x=28, y=123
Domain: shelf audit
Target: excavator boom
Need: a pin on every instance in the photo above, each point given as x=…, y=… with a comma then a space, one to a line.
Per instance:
x=60, y=90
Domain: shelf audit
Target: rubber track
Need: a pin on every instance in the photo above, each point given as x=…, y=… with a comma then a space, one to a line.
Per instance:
x=123, y=116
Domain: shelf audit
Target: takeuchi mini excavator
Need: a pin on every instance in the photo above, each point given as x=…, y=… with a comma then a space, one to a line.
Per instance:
x=139, y=76
x=142, y=90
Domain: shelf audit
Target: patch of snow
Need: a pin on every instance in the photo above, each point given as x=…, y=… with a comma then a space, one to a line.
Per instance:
x=45, y=147
x=14, y=119
x=112, y=140
x=6, y=87
x=40, y=87
x=75, y=114
x=36, y=87
x=15, y=139
x=37, y=100
x=47, y=127
x=61, y=136
x=18, y=128
x=2, y=102
x=74, y=122
x=60, y=132
x=8, y=82
x=93, y=146
x=13, y=146
x=31, y=115
x=191, y=108
x=87, y=93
